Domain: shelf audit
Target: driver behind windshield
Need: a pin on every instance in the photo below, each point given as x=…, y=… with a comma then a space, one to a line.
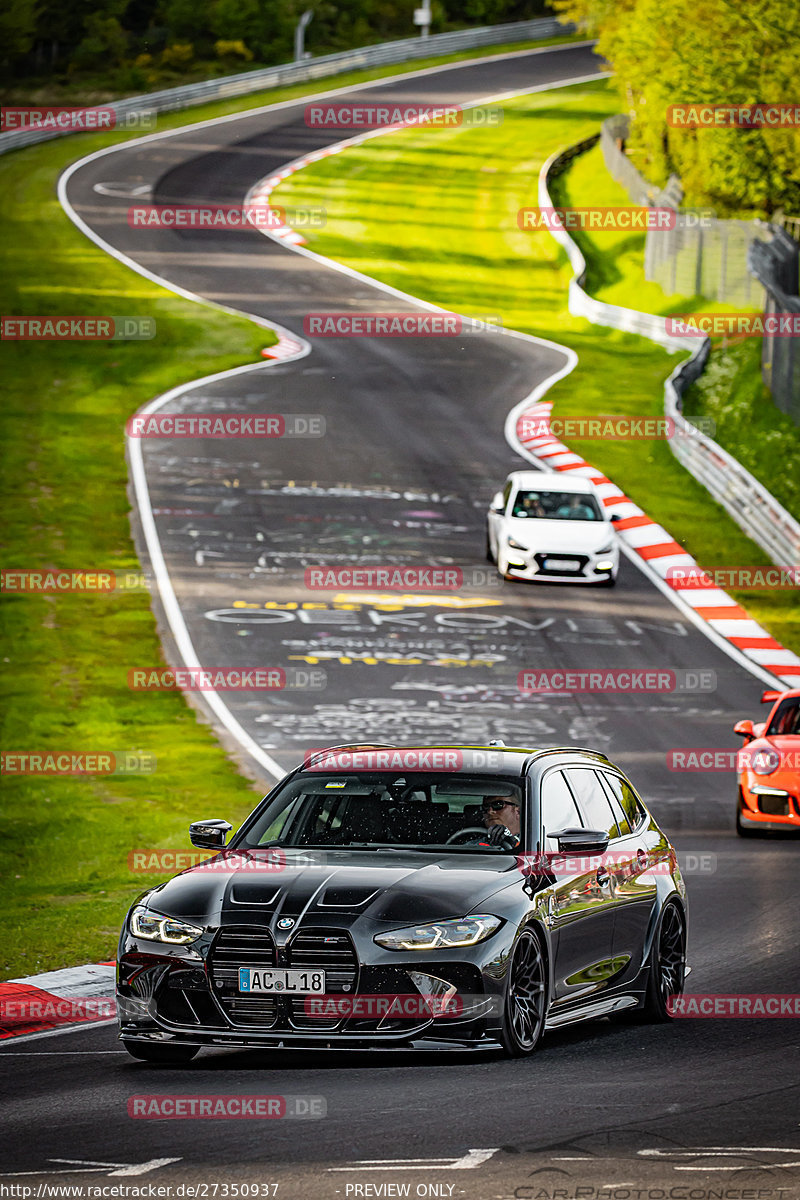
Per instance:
x=501, y=816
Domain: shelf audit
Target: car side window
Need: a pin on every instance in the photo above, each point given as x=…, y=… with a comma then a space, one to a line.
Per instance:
x=592, y=800
x=629, y=801
x=613, y=789
x=559, y=811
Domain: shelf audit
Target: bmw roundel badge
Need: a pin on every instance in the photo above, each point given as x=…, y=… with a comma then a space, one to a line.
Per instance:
x=286, y=923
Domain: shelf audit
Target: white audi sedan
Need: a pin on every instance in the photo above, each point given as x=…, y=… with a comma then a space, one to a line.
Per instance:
x=552, y=527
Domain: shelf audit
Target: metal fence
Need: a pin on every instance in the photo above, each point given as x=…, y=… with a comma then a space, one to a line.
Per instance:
x=613, y=134
x=700, y=255
x=384, y=54
x=703, y=256
x=775, y=263
x=790, y=224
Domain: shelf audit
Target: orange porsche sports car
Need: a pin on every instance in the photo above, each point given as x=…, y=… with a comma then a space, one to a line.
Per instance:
x=769, y=768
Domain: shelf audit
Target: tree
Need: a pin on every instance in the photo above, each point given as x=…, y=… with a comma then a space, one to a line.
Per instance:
x=711, y=52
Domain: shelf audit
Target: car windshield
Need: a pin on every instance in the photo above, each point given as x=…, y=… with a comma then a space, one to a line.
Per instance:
x=556, y=506
x=383, y=809
x=787, y=717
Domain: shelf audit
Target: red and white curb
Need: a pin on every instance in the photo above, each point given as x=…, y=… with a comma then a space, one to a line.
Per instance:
x=659, y=550
x=286, y=347
x=55, y=1000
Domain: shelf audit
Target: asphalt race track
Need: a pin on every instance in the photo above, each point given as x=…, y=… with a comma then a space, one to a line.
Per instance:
x=413, y=451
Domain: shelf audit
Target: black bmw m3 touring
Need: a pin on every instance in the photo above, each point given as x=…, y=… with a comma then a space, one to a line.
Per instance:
x=411, y=896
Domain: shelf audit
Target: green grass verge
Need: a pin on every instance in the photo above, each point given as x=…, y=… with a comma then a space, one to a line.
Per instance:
x=63, y=864
x=64, y=878
x=434, y=212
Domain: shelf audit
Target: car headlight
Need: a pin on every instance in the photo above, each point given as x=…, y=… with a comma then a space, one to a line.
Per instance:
x=154, y=927
x=515, y=545
x=764, y=762
x=605, y=549
x=463, y=931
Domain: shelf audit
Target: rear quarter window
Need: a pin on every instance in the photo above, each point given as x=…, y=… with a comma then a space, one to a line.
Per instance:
x=624, y=795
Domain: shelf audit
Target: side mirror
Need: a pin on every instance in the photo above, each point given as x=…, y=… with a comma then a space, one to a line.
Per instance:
x=209, y=835
x=582, y=841
x=615, y=517
x=768, y=696
x=745, y=729
x=498, y=504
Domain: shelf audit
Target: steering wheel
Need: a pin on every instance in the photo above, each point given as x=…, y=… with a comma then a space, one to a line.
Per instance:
x=460, y=833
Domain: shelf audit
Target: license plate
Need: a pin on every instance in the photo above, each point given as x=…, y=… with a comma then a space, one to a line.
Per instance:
x=252, y=979
x=560, y=564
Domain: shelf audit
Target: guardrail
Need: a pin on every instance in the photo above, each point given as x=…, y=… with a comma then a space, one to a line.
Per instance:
x=384, y=54
x=581, y=304
x=775, y=264
x=746, y=500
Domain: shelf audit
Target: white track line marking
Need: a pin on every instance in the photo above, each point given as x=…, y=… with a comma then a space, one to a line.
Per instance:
x=467, y=1162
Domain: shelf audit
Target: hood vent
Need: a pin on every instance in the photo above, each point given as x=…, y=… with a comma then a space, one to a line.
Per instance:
x=253, y=891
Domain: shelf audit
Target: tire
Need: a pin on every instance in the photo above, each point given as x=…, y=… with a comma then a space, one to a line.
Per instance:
x=167, y=1053
x=667, y=964
x=609, y=582
x=741, y=829
x=525, y=1004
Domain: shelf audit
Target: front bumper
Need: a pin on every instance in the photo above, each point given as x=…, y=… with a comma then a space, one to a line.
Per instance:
x=769, y=806
x=190, y=994
x=584, y=568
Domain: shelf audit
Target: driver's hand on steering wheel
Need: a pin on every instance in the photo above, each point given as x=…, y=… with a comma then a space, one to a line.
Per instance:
x=501, y=835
